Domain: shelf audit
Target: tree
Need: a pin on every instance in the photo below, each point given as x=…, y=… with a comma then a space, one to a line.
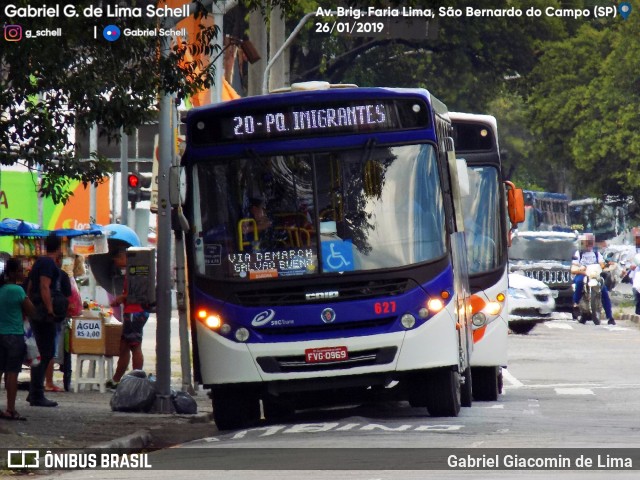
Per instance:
x=466, y=66
x=49, y=87
x=605, y=145
x=556, y=101
x=583, y=108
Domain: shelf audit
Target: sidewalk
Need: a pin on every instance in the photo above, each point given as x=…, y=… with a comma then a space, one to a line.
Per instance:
x=85, y=418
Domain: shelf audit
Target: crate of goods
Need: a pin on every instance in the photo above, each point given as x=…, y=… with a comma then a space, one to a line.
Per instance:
x=113, y=332
x=87, y=335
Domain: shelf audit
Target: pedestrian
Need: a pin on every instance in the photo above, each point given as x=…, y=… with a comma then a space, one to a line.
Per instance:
x=65, y=288
x=586, y=255
x=15, y=304
x=43, y=278
x=134, y=317
x=635, y=282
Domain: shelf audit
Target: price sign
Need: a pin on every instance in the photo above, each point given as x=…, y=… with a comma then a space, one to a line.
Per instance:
x=88, y=329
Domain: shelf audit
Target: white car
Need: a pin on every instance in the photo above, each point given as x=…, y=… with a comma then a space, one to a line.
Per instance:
x=530, y=302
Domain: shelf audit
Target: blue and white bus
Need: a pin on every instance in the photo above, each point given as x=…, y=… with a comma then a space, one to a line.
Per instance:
x=324, y=257
x=487, y=232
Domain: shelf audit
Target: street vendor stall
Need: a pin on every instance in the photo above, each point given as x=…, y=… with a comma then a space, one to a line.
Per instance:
x=28, y=245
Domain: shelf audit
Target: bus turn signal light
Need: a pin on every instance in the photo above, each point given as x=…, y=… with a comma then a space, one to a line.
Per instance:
x=211, y=320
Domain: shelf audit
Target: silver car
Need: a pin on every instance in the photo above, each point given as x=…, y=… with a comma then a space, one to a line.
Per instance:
x=530, y=302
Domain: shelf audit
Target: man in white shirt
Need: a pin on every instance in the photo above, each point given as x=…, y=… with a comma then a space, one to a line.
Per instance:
x=583, y=257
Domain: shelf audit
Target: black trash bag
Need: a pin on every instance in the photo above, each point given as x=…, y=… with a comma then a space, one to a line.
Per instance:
x=133, y=394
x=184, y=403
x=137, y=373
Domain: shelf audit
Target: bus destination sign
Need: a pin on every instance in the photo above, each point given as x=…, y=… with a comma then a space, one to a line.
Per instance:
x=355, y=117
x=310, y=120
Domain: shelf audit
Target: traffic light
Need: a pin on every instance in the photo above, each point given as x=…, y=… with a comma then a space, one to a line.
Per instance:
x=144, y=186
x=133, y=180
x=139, y=188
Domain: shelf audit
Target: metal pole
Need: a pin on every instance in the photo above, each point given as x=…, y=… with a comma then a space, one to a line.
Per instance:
x=163, y=289
x=124, y=169
x=265, y=80
x=163, y=402
x=93, y=148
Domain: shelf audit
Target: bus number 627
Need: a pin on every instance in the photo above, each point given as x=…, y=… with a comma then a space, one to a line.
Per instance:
x=384, y=307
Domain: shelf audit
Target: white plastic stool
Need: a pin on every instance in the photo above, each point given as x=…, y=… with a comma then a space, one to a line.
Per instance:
x=92, y=378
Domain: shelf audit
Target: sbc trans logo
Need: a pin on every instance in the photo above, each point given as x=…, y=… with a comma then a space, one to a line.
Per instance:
x=13, y=33
x=263, y=318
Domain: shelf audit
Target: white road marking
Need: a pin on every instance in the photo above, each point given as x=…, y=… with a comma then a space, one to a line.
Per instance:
x=574, y=391
x=560, y=325
x=506, y=375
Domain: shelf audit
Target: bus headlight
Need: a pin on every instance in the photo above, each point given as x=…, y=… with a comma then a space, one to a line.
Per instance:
x=408, y=321
x=213, y=321
x=242, y=334
x=493, y=308
x=225, y=329
x=435, y=305
x=423, y=313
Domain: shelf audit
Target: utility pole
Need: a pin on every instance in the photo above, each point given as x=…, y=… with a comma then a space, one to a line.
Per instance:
x=93, y=148
x=163, y=288
x=258, y=31
x=163, y=402
x=124, y=170
x=279, y=75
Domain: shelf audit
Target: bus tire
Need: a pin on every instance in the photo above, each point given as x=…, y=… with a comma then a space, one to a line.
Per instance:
x=443, y=393
x=466, y=392
x=523, y=327
x=276, y=409
x=486, y=383
x=235, y=408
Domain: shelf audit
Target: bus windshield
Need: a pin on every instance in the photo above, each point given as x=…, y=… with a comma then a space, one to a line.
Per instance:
x=313, y=213
x=482, y=208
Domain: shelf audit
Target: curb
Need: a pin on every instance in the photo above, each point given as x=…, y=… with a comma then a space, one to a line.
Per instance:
x=139, y=439
x=630, y=316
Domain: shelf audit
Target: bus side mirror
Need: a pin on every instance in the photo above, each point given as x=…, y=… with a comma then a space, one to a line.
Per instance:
x=463, y=177
x=515, y=203
x=177, y=186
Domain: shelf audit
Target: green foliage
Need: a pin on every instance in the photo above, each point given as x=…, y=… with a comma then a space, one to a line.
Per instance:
x=49, y=87
x=584, y=108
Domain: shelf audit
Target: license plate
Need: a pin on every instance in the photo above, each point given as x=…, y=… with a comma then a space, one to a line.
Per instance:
x=325, y=354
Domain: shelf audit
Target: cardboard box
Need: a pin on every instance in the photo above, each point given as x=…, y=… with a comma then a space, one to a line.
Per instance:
x=87, y=335
x=113, y=332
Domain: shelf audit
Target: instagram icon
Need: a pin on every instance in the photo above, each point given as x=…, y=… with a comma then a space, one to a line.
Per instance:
x=13, y=33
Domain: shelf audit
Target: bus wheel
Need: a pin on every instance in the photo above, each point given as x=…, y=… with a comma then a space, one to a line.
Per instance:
x=466, y=397
x=443, y=393
x=486, y=383
x=235, y=408
x=277, y=409
x=522, y=328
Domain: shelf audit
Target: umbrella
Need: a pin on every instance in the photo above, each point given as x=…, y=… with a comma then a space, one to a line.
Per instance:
x=104, y=271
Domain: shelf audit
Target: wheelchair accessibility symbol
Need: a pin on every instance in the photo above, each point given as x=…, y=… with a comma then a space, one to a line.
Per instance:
x=337, y=256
